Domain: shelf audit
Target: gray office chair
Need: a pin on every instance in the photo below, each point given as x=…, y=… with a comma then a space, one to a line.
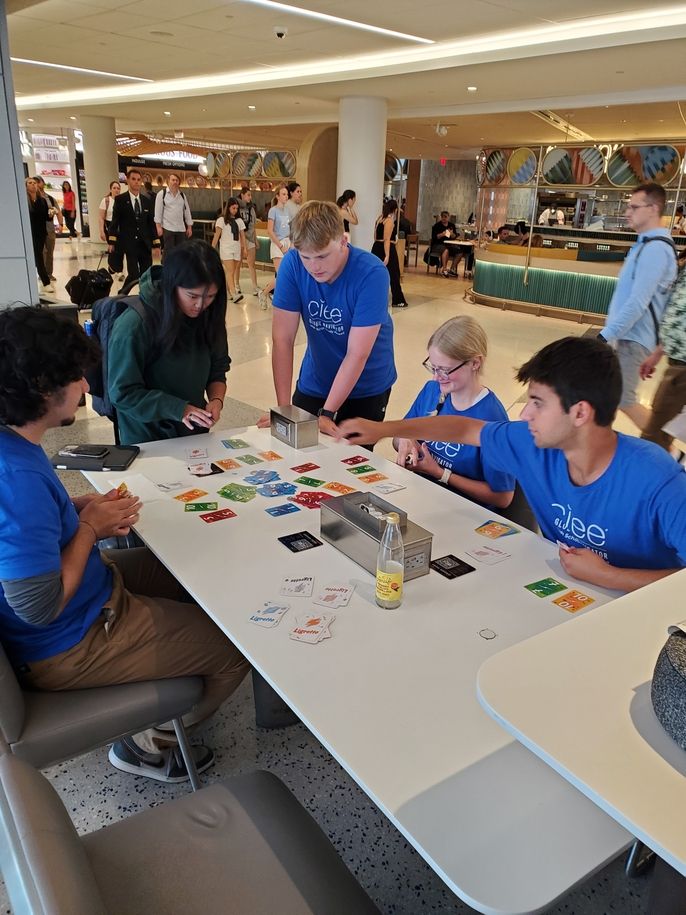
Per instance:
x=45, y=727
x=240, y=847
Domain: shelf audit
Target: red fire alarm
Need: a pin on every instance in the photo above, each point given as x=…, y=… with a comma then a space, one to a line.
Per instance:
x=443, y=161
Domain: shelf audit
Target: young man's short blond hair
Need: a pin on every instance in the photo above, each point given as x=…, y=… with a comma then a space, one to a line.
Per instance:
x=317, y=223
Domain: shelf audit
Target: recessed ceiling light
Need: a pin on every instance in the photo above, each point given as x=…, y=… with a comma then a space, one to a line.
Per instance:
x=471, y=88
x=71, y=117
x=42, y=63
x=167, y=114
x=251, y=107
x=337, y=20
x=203, y=109
x=30, y=120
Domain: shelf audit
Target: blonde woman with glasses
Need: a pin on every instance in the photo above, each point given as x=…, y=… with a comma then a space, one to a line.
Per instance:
x=456, y=355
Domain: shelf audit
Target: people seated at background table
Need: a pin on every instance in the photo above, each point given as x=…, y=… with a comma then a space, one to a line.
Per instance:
x=167, y=371
x=443, y=231
x=385, y=237
x=341, y=295
x=456, y=355
x=615, y=504
x=71, y=618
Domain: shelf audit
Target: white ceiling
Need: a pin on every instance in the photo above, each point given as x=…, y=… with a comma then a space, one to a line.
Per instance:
x=600, y=65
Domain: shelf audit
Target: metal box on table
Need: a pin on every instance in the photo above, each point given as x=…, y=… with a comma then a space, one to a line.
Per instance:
x=347, y=524
x=294, y=427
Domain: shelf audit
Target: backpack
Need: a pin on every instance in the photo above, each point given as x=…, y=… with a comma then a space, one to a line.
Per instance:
x=644, y=242
x=105, y=313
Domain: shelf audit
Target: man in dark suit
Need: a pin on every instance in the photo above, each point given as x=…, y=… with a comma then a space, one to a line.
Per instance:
x=132, y=229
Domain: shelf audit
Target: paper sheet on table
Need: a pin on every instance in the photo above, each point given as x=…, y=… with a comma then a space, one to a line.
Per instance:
x=140, y=485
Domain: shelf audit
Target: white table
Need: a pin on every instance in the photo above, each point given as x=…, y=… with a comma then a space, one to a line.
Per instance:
x=392, y=694
x=579, y=697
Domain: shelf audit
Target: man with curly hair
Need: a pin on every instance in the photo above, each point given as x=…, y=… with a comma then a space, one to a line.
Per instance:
x=71, y=617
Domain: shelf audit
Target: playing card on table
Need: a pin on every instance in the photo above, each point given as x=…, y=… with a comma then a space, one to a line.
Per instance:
x=339, y=488
x=236, y=492
x=495, y=529
x=573, y=600
x=201, y=506
x=270, y=456
x=277, y=510
x=195, y=454
x=257, y=477
x=545, y=587
x=309, y=481
x=221, y=515
x=362, y=468
x=489, y=555
x=305, y=468
x=310, y=499
x=335, y=595
x=234, y=443
x=372, y=477
x=172, y=486
x=357, y=459
x=203, y=469
x=312, y=628
x=300, y=585
x=249, y=459
x=385, y=489
x=269, y=615
x=274, y=490
x=190, y=494
x=229, y=464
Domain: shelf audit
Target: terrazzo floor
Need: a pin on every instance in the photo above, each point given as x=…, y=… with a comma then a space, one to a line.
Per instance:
x=394, y=875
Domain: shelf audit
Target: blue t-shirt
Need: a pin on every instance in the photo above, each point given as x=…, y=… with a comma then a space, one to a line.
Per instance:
x=467, y=460
x=634, y=515
x=282, y=221
x=37, y=521
x=357, y=298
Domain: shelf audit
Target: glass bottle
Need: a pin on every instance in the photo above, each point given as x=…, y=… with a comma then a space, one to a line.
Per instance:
x=390, y=565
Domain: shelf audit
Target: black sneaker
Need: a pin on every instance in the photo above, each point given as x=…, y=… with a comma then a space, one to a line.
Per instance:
x=168, y=766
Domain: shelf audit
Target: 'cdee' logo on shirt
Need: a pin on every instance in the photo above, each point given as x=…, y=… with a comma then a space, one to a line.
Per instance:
x=592, y=533
x=325, y=317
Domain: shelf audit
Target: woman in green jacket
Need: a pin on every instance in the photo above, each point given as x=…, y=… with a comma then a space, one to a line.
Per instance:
x=167, y=372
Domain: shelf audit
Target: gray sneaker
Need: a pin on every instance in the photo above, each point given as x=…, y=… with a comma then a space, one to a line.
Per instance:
x=127, y=756
x=263, y=299
x=238, y=297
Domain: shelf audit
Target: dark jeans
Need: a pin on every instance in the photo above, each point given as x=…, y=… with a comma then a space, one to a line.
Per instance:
x=70, y=221
x=373, y=407
x=138, y=259
x=172, y=239
x=38, y=245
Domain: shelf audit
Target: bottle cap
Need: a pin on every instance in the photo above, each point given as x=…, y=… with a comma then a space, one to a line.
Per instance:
x=393, y=517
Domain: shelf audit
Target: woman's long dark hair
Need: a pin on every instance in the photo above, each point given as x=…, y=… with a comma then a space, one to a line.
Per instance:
x=230, y=220
x=389, y=206
x=345, y=197
x=191, y=264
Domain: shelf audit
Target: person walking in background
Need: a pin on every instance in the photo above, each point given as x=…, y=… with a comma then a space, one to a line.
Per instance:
x=346, y=204
x=385, y=233
x=278, y=229
x=53, y=211
x=167, y=371
x=295, y=199
x=69, y=209
x=173, y=217
x=132, y=230
x=115, y=260
x=38, y=215
x=230, y=234
x=248, y=214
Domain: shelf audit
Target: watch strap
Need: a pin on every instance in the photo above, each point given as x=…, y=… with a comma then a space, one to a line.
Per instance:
x=330, y=414
x=445, y=476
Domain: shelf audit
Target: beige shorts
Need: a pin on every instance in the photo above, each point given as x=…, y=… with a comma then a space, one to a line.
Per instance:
x=630, y=355
x=275, y=251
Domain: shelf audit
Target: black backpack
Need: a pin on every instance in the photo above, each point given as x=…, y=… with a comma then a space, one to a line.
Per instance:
x=105, y=313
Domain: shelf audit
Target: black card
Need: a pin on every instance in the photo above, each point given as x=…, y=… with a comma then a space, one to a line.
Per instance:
x=450, y=566
x=296, y=543
x=213, y=468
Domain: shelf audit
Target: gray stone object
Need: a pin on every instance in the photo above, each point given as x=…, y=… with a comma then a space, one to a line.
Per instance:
x=668, y=690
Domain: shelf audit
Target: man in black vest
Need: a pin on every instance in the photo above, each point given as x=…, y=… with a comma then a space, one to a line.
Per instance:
x=132, y=229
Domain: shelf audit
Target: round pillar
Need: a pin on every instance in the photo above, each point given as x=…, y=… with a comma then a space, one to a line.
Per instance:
x=361, y=159
x=100, y=164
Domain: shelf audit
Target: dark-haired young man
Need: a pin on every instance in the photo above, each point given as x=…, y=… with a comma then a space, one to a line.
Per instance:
x=132, y=228
x=616, y=503
x=640, y=297
x=69, y=618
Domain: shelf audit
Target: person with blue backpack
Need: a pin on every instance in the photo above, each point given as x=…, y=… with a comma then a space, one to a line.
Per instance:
x=167, y=353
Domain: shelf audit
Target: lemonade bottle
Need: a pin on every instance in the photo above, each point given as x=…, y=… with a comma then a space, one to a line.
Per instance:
x=390, y=565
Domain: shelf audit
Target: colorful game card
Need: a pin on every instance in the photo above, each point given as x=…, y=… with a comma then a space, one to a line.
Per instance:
x=362, y=468
x=190, y=494
x=196, y=454
x=372, y=477
x=270, y=456
x=270, y=614
x=258, y=477
x=313, y=628
x=234, y=443
x=311, y=499
x=305, y=468
x=545, y=587
x=221, y=515
x=286, y=509
x=309, y=481
x=275, y=490
x=340, y=488
x=249, y=459
x=236, y=492
x=228, y=464
x=573, y=600
x=335, y=595
x=201, y=506
x=495, y=529
x=357, y=459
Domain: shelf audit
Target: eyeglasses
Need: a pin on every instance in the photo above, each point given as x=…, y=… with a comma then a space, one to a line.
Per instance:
x=440, y=372
x=638, y=206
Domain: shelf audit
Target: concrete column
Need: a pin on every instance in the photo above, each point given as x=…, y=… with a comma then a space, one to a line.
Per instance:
x=361, y=156
x=100, y=164
x=18, y=281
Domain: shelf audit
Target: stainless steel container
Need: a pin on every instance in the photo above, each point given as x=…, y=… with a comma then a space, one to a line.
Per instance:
x=355, y=523
x=294, y=427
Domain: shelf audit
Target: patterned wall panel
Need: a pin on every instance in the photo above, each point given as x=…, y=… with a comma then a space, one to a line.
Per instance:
x=632, y=165
x=583, y=165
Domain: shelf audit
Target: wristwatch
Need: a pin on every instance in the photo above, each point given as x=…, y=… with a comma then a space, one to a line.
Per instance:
x=445, y=476
x=330, y=414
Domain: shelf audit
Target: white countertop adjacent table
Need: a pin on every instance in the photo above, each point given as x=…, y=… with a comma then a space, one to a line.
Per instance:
x=392, y=694
x=579, y=697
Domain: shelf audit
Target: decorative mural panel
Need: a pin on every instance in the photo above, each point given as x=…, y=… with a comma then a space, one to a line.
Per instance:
x=521, y=166
x=247, y=165
x=222, y=165
x=633, y=165
x=392, y=169
x=279, y=165
x=576, y=166
x=481, y=167
x=496, y=166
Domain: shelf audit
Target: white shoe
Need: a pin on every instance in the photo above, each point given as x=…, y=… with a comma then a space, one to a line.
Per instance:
x=238, y=297
x=49, y=288
x=257, y=291
x=238, y=290
x=263, y=299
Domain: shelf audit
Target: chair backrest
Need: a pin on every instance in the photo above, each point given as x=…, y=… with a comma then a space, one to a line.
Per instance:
x=12, y=709
x=519, y=511
x=44, y=865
